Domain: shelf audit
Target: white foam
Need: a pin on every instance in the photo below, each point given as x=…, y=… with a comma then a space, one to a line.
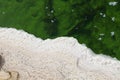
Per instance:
x=113, y=3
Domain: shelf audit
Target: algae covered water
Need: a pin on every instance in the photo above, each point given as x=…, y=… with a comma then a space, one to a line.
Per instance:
x=94, y=23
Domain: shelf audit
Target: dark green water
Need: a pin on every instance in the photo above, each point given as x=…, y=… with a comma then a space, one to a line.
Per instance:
x=93, y=22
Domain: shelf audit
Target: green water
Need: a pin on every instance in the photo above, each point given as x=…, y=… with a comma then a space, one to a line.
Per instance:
x=92, y=22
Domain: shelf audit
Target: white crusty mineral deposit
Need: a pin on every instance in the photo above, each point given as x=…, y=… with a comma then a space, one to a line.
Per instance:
x=25, y=57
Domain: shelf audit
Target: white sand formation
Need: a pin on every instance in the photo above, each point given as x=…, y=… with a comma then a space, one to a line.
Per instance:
x=25, y=57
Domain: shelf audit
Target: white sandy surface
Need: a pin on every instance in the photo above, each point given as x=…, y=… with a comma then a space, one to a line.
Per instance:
x=62, y=58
